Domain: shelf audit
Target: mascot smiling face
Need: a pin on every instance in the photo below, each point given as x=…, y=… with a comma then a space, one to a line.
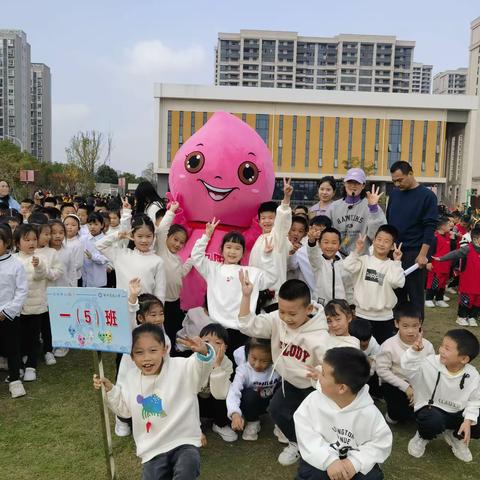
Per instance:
x=224, y=170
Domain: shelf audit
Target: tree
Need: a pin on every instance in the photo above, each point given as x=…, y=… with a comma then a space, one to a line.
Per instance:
x=85, y=151
x=356, y=162
x=106, y=174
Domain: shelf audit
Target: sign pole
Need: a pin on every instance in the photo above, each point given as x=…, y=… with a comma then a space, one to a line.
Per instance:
x=107, y=435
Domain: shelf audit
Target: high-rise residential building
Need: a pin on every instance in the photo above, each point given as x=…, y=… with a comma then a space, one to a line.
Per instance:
x=15, y=87
x=41, y=112
x=366, y=63
x=451, y=82
x=473, y=80
x=421, y=78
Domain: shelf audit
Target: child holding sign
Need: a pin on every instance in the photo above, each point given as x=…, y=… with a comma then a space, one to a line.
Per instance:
x=166, y=429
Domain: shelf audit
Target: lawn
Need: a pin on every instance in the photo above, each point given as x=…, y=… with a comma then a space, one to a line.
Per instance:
x=55, y=433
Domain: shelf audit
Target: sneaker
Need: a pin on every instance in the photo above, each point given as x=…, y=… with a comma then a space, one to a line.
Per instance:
x=472, y=322
x=16, y=389
x=462, y=321
x=60, y=352
x=429, y=303
x=3, y=363
x=459, y=449
x=442, y=304
x=416, y=446
x=122, y=429
x=451, y=290
x=389, y=420
x=227, y=434
x=30, y=375
x=50, y=359
x=250, y=432
x=21, y=373
x=280, y=436
x=289, y=455
x=446, y=299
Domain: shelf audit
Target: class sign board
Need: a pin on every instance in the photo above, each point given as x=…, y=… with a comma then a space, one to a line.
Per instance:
x=90, y=319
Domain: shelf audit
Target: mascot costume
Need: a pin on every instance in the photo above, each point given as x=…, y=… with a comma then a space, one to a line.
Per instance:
x=224, y=170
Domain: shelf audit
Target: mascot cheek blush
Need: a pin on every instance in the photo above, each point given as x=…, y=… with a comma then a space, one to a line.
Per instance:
x=225, y=171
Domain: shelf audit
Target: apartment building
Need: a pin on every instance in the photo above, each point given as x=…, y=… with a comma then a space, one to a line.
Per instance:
x=421, y=78
x=41, y=112
x=451, y=82
x=473, y=80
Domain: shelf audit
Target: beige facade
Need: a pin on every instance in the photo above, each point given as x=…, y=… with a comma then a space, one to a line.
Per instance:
x=421, y=78
x=451, y=82
x=41, y=112
x=473, y=87
x=315, y=133
x=262, y=58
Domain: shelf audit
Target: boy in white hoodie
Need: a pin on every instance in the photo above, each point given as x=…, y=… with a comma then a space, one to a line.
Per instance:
x=341, y=433
x=447, y=393
x=375, y=278
x=299, y=339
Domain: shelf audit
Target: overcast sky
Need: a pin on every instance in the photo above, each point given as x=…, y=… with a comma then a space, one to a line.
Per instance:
x=105, y=55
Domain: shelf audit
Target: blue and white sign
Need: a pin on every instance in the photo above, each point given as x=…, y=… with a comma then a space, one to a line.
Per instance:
x=90, y=319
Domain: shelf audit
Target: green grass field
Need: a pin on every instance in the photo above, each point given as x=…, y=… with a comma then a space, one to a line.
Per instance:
x=55, y=433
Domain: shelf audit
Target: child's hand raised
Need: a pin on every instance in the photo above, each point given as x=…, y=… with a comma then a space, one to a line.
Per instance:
x=238, y=422
x=174, y=206
x=134, y=288
x=211, y=226
x=247, y=286
x=126, y=203
x=418, y=344
x=220, y=354
x=360, y=244
x=313, y=234
x=397, y=252
x=98, y=382
x=195, y=344
x=287, y=190
x=268, y=245
x=124, y=235
x=35, y=261
x=374, y=196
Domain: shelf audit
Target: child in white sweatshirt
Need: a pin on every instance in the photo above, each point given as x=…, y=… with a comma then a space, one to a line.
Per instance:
x=275, y=223
x=252, y=388
x=211, y=398
x=446, y=392
x=299, y=338
x=94, y=273
x=73, y=242
x=396, y=387
x=161, y=397
x=375, y=278
x=341, y=433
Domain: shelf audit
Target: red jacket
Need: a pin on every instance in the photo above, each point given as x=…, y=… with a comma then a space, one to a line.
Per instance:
x=470, y=278
x=443, y=247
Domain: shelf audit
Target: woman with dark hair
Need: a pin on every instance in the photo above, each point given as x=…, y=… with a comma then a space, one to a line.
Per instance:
x=5, y=196
x=147, y=200
x=326, y=192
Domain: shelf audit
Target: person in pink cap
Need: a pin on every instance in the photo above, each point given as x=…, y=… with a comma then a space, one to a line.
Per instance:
x=357, y=212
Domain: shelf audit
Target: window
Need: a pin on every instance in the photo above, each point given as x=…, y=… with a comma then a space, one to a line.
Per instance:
x=169, y=138
x=307, y=143
x=261, y=126
x=320, y=143
x=424, y=147
x=394, y=141
x=410, y=147
x=205, y=117
x=180, y=130
x=377, y=140
x=294, y=141
x=364, y=134
x=280, y=141
x=350, y=134
x=192, y=122
x=437, y=147
x=335, y=155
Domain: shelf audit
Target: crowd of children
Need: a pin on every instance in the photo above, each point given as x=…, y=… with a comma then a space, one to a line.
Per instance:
x=308, y=330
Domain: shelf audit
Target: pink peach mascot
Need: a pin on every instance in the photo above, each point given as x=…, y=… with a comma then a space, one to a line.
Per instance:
x=225, y=171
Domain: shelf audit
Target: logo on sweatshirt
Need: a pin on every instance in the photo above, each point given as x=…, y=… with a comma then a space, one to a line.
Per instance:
x=342, y=445
x=372, y=275
x=294, y=351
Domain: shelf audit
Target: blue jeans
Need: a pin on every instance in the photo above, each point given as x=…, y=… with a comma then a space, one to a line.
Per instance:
x=181, y=463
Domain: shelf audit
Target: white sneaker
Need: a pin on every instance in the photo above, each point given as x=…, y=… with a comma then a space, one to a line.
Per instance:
x=289, y=455
x=442, y=304
x=279, y=434
x=60, y=352
x=227, y=434
x=459, y=449
x=389, y=420
x=472, y=322
x=3, y=363
x=16, y=389
x=122, y=429
x=451, y=290
x=462, y=321
x=30, y=375
x=250, y=432
x=416, y=446
x=50, y=359
x=429, y=303
x=446, y=299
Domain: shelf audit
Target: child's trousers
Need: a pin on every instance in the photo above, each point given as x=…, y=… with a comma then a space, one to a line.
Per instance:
x=30, y=326
x=283, y=406
x=307, y=472
x=10, y=341
x=398, y=407
x=214, y=409
x=181, y=463
x=253, y=405
x=432, y=421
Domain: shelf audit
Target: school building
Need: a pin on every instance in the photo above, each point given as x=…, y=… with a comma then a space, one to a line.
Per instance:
x=315, y=133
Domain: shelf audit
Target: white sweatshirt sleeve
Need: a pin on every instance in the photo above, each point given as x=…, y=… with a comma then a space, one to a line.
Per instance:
x=281, y=227
x=40, y=271
x=13, y=307
x=220, y=379
x=160, y=281
x=383, y=364
x=313, y=447
x=117, y=404
x=55, y=269
x=471, y=411
x=395, y=275
x=162, y=231
x=314, y=257
x=198, y=368
x=234, y=396
x=268, y=273
x=412, y=361
x=203, y=265
x=186, y=267
x=258, y=326
x=132, y=314
x=126, y=220
x=377, y=450
x=353, y=263
x=107, y=247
